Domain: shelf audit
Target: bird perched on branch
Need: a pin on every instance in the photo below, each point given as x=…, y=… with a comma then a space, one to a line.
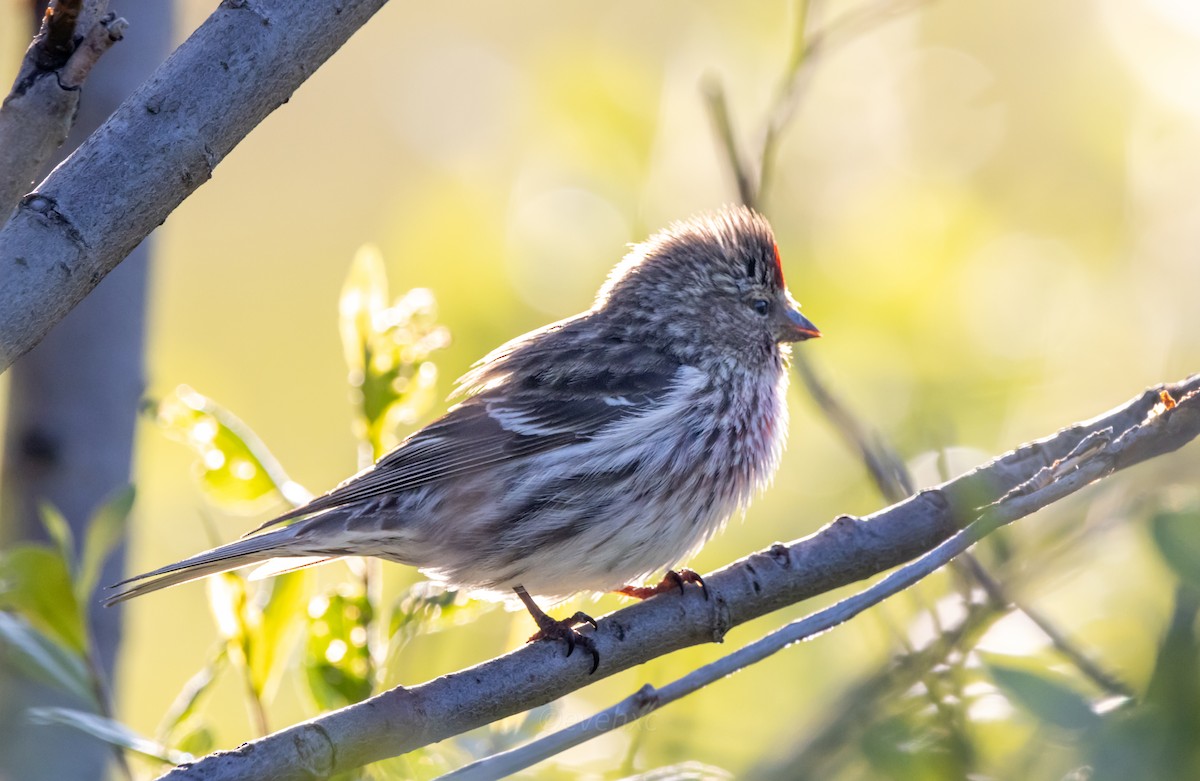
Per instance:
x=586, y=455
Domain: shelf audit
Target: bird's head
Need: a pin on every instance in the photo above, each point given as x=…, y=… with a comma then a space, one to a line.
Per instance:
x=711, y=285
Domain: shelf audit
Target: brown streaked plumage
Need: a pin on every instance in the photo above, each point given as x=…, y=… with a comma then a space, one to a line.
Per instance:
x=588, y=454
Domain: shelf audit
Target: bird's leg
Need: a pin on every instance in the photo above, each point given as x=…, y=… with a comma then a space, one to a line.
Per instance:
x=670, y=581
x=560, y=629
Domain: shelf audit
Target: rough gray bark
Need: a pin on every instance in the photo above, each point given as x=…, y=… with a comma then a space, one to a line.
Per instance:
x=72, y=405
x=158, y=147
x=849, y=549
x=38, y=113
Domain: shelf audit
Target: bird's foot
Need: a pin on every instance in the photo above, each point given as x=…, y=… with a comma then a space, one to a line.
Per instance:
x=671, y=580
x=564, y=629
x=561, y=629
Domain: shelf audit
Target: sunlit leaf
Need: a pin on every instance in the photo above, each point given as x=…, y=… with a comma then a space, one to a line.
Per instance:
x=387, y=350
x=1177, y=535
x=259, y=626
x=235, y=468
x=104, y=532
x=363, y=298
x=226, y=600
x=197, y=742
x=43, y=659
x=109, y=731
x=428, y=607
x=274, y=627
x=237, y=622
x=58, y=530
x=1045, y=696
x=337, y=659
x=35, y=581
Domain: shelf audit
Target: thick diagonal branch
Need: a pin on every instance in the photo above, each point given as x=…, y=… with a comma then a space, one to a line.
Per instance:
x=847, y=550
x=40, y=109
x=157, y=148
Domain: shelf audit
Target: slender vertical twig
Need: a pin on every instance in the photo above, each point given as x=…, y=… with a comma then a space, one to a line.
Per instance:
x=885, y=467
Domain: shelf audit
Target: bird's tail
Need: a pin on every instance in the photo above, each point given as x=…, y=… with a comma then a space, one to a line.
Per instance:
x=244, y=552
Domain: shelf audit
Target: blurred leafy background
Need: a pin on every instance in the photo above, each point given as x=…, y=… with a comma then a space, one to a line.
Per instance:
x=989, y=210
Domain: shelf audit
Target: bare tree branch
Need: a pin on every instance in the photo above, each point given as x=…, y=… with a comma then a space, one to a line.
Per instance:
x=397, y=721
x=72, y=401
x=886, y=469
x=39, y=110
x=718, y=111
x=1091, y=459
x=806, y=49
x=156, y=149
x=751, y=175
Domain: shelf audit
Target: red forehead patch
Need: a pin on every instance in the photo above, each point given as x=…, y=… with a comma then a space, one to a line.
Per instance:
x=778, y=264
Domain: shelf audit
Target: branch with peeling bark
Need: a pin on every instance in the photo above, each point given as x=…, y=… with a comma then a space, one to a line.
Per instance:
x=1158, y=421
x=157, y=148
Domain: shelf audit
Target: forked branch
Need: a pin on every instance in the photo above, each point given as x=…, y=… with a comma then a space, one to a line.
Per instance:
x=1011, y=486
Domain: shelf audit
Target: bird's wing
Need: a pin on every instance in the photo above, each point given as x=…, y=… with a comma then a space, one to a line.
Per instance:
x=517, y=418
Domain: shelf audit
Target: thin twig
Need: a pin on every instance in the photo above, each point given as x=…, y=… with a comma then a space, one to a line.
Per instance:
x=103, y=695
x=106, y=32
x=1067, y=647
x=806, y=49
x=886, y=468
x=718, y=112
x=752, y=176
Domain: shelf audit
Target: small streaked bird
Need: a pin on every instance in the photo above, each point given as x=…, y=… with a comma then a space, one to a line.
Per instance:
x=587, y=455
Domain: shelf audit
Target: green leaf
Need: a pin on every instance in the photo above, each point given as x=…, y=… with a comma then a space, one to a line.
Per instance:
x=58, y=529
x=235, y=468
x=274, y=629
x=43, y=659
x=337, y=658
x=259, y=626
x=227, y=601
x=363, y=299
x=197, y=742
x=36, y=582
x=109, y=731
x=1177, y=535
x=429, y=607
x=1047, y=697
x=387, y=350
x=104, y=532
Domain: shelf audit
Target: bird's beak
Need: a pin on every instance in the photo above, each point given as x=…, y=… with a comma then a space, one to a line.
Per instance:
x=797, y=327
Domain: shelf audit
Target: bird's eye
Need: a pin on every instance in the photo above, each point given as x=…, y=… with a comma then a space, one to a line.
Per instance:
x=761, y=306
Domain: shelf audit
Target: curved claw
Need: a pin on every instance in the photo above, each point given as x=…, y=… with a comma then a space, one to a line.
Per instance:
x=581, y=617
x=564, y=629
x=691, y=576
x=672, y=579
x=552, y=629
